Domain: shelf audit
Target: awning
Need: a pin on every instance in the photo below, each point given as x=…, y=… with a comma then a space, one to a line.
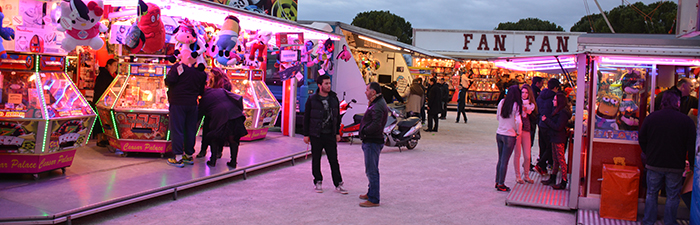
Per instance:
x=639, y=45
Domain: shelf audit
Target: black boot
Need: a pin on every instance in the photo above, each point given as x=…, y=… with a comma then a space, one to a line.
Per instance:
x=552, y=180
x=560, y=186
x=211, y=162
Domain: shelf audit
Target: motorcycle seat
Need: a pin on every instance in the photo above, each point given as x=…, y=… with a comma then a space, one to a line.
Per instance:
x=408, y=123
x=357, y=118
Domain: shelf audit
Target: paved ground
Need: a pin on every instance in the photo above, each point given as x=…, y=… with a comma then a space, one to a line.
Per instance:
x=447, y=179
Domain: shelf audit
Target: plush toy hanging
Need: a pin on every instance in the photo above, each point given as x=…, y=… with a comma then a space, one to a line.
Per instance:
x=82, y=24
x=631, y=85
x=150, y=35
x=259, y=46
x=186, y=37
x=227, y=40
x=6, y=33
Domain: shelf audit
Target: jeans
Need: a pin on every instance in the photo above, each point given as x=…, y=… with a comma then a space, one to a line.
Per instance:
x=506, y=144
x=522, y=145
x=183, y=128
x=673, y=190
x=318, y=144
x=372, y=151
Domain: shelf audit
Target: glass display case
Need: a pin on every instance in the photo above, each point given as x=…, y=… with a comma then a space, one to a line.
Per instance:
x=260, y=106
x=618, y=101
x=40, y=130
x=134, y=109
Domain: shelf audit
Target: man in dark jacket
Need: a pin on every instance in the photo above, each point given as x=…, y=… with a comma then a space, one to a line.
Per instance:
x=667, y=138
x=321, y=127
x=372, y=135
x=545, y=108
x=683, y=88
x=102, y=82
x=185, y=84
x=389, y=92
x=434, y=105
x=445, y=98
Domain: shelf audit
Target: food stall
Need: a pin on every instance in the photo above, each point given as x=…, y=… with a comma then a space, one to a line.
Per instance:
x=40, y=131
x=260, y=107
x=134, y=109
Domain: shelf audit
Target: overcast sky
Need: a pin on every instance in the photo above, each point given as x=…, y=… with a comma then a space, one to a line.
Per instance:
x=458, y=14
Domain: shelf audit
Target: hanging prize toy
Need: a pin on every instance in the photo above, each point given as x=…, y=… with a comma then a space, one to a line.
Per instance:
x=186, y=37
x=227, y=40
x=150, y=35
x=82, y=24
x=6, y=33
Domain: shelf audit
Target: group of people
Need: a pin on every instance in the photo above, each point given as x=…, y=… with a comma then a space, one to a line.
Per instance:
x=434, y=99
x=519, y=113
x=321, y=130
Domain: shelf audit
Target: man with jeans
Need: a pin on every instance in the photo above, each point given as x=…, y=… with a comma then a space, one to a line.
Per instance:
x=666, y=137
x=372, y=135
x=321, y=126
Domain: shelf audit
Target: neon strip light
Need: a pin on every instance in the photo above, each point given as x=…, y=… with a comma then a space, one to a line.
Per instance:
x=200, y=126
x=114, y=124
x=653, y=61
x=379, y=42
x=216, y=13
x=43, y=103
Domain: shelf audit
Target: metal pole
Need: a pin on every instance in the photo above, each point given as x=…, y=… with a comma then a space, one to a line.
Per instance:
x=578, y=132
x=604, y=16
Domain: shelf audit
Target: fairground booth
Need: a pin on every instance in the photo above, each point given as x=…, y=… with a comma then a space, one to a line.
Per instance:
x=618, y=76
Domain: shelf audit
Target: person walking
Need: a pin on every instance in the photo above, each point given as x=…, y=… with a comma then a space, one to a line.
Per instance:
x=445, y=98
x=372, y=135
x=416, y=98
x=522, y=143
x=557, y=123
x=102, y=82
x=509, y=128
x=462, y=103
x=434, y=105
x=226, y=120
x=667, y=138
x=185, y=84
x=544, y=106
x=321, y=127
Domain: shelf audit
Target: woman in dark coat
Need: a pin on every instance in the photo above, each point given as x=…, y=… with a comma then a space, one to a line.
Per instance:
x=102, y=82
x=224, y=110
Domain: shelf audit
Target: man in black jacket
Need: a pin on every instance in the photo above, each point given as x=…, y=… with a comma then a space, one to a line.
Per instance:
x=683, y=88
x=434, y=105
x=389, y=92
x=667, y=138
x=102, y=82
x=445, y=98
x=372, y=135
x=545, y=108
x=321, y=127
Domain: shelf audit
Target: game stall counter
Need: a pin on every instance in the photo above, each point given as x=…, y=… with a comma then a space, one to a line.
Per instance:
x=40, y=131
x=134, y=109
x=260, y=107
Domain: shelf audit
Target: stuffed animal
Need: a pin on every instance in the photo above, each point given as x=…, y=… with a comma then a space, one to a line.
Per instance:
x=82, y=24
x=6, y=33
x=259, y=46
x=630, y=85
x=186, y=37
x=344, y=54
x=152, y=28
x=227, y=40
x=607, y=112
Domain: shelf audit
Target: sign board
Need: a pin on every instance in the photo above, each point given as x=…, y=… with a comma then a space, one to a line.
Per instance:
x=497, y=41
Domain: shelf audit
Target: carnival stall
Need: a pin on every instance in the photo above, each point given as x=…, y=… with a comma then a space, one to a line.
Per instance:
x=41, y=130
x=260, y=107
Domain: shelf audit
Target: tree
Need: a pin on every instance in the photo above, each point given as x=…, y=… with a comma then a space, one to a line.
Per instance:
x=533, y=24
x=385, y=22
x=658, y=18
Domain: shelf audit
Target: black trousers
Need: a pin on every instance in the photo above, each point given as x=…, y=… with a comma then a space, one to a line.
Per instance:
x=444, y=110
x=545, y=149
x=433, y=117
x=461, y=111
x=217, y=147
x=318, y=144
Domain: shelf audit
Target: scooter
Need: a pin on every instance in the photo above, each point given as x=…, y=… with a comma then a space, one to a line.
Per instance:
x=353, y=129
x=400, y=131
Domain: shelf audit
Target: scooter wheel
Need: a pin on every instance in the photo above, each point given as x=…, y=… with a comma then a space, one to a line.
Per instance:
x=412, y=144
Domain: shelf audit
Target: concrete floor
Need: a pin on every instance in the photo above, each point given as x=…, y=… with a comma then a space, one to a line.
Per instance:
x=447, y=179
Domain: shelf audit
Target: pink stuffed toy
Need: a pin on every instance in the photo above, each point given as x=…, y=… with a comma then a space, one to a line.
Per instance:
x=259, y=45
x=82, y=24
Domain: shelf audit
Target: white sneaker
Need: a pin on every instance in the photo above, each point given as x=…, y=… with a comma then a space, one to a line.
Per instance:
x=318, y=187
x=340, y=189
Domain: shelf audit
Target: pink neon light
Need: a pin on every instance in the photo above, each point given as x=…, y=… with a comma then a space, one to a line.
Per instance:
x=657, y=61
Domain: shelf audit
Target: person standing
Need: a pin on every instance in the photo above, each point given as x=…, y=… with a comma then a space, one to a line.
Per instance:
x=185, y=84
x=434, y=105
x=462, y=103
x=537, y=83
x=445, y=98
x=390, y=92
x=509, y=128
x=225, y=118
x=522, y=143
x=545, y=107
x=683, y=88
x=372, y=135
x=321, y=127
x=415, y=97
x=102, y=82
x=557, y=125
x=667, y=138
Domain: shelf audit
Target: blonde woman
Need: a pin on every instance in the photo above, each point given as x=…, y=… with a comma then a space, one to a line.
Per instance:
x=522, y=143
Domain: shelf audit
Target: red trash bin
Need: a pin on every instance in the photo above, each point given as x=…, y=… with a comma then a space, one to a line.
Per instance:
x=619, y=192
